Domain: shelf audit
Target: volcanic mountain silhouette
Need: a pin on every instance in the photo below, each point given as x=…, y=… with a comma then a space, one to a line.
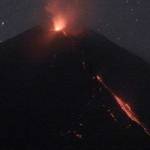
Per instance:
x=50, y=99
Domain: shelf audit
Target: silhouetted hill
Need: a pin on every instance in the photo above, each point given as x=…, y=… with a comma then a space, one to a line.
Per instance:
x=50, y=100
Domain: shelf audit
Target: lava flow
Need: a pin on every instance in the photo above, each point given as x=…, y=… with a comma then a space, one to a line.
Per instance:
x=126, y=108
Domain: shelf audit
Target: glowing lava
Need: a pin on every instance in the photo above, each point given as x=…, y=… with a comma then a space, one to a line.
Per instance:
x=59, y=23
x=64, y=15
x=126, y=108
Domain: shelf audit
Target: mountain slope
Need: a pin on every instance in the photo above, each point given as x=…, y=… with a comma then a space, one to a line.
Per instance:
x=50, y=98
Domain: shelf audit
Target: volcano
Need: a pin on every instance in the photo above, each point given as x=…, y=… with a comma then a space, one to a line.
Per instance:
x=51, y=99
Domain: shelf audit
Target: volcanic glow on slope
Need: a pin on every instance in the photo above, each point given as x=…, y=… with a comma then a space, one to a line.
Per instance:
x=127, y=109
x=123, y=105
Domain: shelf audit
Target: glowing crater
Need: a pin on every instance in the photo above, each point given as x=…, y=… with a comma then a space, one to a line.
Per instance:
x=59, y=23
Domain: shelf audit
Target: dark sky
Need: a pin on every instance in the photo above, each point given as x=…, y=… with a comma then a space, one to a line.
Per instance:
x=124, y=21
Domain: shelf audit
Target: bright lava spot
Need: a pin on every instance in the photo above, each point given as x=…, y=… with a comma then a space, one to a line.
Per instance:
x=99, y=78
x=59, y=23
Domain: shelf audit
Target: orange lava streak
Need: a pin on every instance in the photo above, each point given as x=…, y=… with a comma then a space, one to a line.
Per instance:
x=127, y=109
x=124, y=106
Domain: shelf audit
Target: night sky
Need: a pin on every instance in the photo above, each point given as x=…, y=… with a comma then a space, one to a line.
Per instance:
x=126, y=22
x=68, y=89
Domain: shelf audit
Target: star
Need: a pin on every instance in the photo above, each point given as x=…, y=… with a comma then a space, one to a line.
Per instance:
x=3, y=23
